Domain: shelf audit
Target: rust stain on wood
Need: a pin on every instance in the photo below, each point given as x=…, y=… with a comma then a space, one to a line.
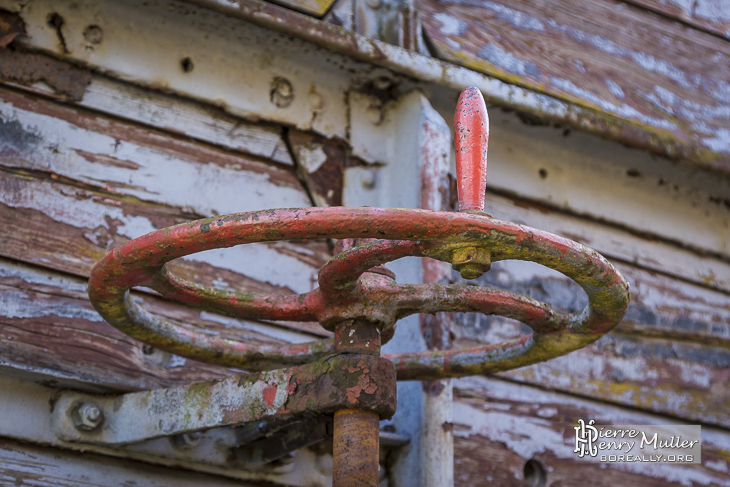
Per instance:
x=658, y=75
x=28, y=68
x=11, y=26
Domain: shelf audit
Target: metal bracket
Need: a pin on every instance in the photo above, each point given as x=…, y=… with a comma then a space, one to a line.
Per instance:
x=350, y=381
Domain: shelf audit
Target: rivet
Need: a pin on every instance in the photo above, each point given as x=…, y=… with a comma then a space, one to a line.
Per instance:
x=93, y=34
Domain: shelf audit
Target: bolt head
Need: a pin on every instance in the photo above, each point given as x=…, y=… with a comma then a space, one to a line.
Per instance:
x=471, y=262
x=87, y=416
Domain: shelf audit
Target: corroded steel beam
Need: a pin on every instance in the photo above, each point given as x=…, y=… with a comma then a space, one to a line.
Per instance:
x=362, y=382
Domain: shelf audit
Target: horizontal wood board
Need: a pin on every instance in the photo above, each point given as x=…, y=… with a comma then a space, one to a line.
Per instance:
x=500, y=426
x=25, y=465
x=619, y=59
x=710, y=15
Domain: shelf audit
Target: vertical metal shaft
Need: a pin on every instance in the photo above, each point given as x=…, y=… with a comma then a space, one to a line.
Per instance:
x=355, y=456
x=356, y=449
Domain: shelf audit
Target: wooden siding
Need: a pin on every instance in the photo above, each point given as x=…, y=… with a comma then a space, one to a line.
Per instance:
x=615, y=58
x=21, y=465
x=78, y=178
x=499, y=426
x=710, y=15
x=75, y=184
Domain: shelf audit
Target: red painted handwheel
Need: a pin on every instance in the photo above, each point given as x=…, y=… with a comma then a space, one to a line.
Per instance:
x=469, y=239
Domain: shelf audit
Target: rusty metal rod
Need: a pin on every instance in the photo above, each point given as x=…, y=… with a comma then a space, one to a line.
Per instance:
x=356, y=448
x=356, y=442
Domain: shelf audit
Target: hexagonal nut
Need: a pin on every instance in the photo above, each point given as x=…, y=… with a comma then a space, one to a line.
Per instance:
x=87, y=416
x=471, y=262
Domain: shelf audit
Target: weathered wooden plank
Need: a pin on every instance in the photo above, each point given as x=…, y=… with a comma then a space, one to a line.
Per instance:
x=711, y=15
x=500, y=426
x=22, y=464
x=135, y=161
x=615, y=242
x=100, y=182
x=670, y=355
x=186, y=117
x=617, y=59
x=174, y=114
x=48, y=327
x=204, y=56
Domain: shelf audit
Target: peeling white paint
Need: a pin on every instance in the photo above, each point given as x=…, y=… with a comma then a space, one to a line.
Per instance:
x=693, y=373
x=524, y=435
x=450, y=25
x=614, y=87
x=77, y=212
x=514, y=17
x=311, y=157
x=18, y=305
x=720, y=142
x=208, y=189
x=508, y=61
x=33, y=275
x=624, y=110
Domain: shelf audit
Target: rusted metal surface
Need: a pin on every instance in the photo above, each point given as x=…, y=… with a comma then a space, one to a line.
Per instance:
x=348, y=381
x=356, y=444
x=434, y=234
x=27, y=68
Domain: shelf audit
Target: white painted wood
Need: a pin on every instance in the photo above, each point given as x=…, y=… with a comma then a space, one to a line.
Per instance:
x=615, y=242
x=529, y=435
x=600, y=179
x=185, y=117
x=232, y=61
x=152, y=175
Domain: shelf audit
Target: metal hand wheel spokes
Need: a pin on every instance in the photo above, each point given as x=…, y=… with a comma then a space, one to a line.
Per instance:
x=353, y=295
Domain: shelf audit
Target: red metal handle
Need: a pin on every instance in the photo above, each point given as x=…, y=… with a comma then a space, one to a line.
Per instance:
x=470, y=240
x=471, y=141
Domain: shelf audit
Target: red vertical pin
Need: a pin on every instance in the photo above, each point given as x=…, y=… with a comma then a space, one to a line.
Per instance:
x=471, y=140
